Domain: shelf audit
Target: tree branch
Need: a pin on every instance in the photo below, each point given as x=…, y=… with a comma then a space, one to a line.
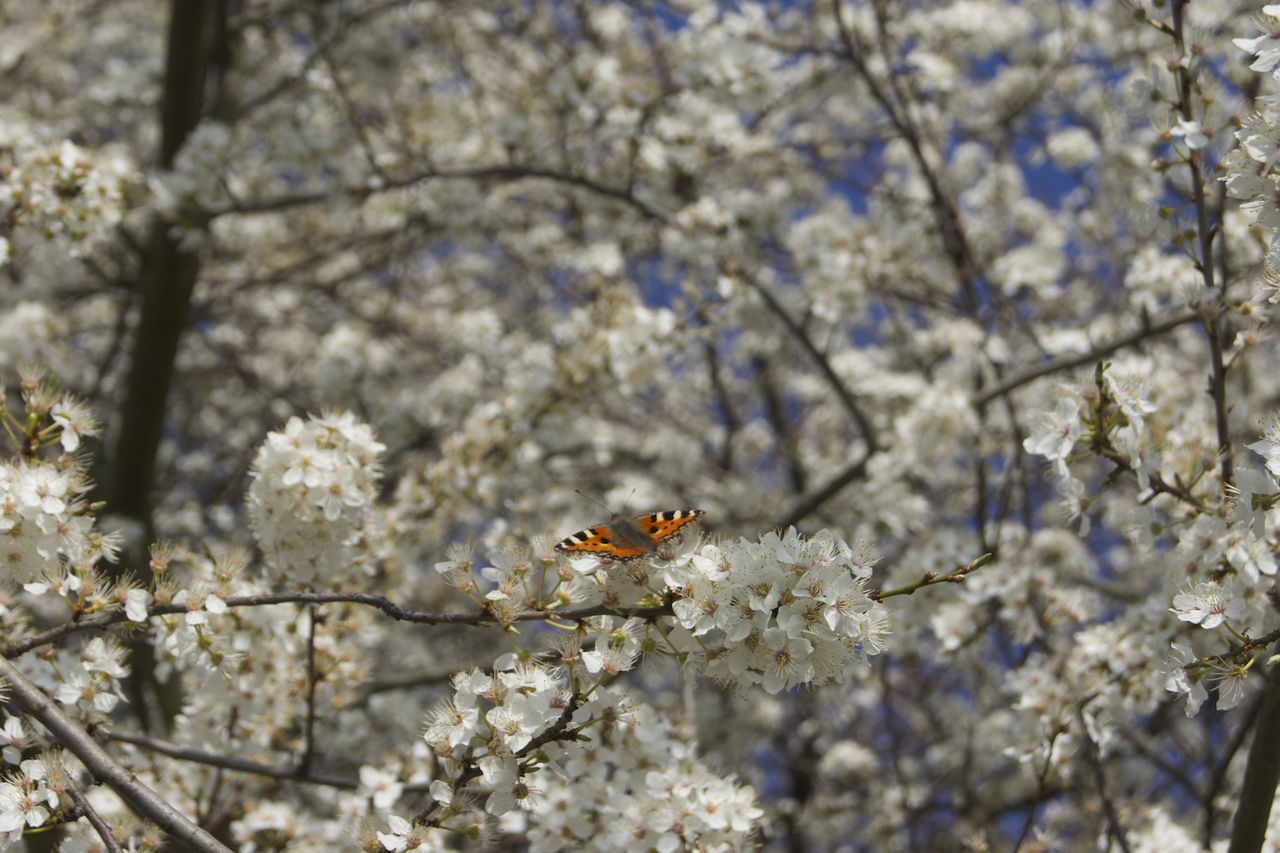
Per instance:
x=817, y=499
x=95, y=820
x=1258, y=790
x=105, y=769
x=1214, y=326
x=514, y=172
x=823, y=363
x=228, y=762
x=1115, y=830
x=1068, y=361
x=103, y=621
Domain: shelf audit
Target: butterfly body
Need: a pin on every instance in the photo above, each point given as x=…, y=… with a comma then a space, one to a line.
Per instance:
x=625, y=538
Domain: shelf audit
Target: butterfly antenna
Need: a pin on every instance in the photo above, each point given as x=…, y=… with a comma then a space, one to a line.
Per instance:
x=602, y=504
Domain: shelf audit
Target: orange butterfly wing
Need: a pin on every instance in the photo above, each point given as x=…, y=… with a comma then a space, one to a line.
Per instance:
x=622, y=552
x=604, y=542
x=593, y=540
x=661, y=526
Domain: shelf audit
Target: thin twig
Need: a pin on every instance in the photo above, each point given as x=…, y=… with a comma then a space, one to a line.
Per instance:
x=1070, y=361
x=819, y=358
x=1214, y=326
x=95, y=820
x=308, y=741
x=1114, y=829
x=1041, y=789
x=228, y=762
x=896, y=108
x=513, y=172
x=833, y=486
x=103, y=621
x=932, y=578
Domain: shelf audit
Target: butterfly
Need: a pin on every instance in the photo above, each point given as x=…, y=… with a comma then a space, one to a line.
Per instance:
x=623, y=538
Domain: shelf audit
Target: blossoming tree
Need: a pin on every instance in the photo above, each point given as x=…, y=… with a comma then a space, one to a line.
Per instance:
x=933, y=337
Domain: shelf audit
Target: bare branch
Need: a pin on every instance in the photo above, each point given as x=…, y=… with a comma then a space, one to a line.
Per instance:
x=825, y=493
x=513, y=172
x=1069, y=361
x=1115, y=831
x=824, y=365
x=309, y=727
x=1214, y=325
x=228, y=762
x=95, y=820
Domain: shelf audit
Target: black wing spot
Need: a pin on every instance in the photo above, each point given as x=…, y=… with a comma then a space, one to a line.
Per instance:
x=604, y=540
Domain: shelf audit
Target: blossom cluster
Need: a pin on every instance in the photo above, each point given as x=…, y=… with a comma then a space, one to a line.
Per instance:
x=55, y=189
x=1233, y=569
x=87, y=681
x=1219, y=547
x=638, y=786
x=1251, y=167
x=782, y=611
x=311, y=499
x=496, y=716
x=42, y=520
x=608, y=775
x=1115, y=411
x=45, y=521
x=29, y=795
x=91, y=684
